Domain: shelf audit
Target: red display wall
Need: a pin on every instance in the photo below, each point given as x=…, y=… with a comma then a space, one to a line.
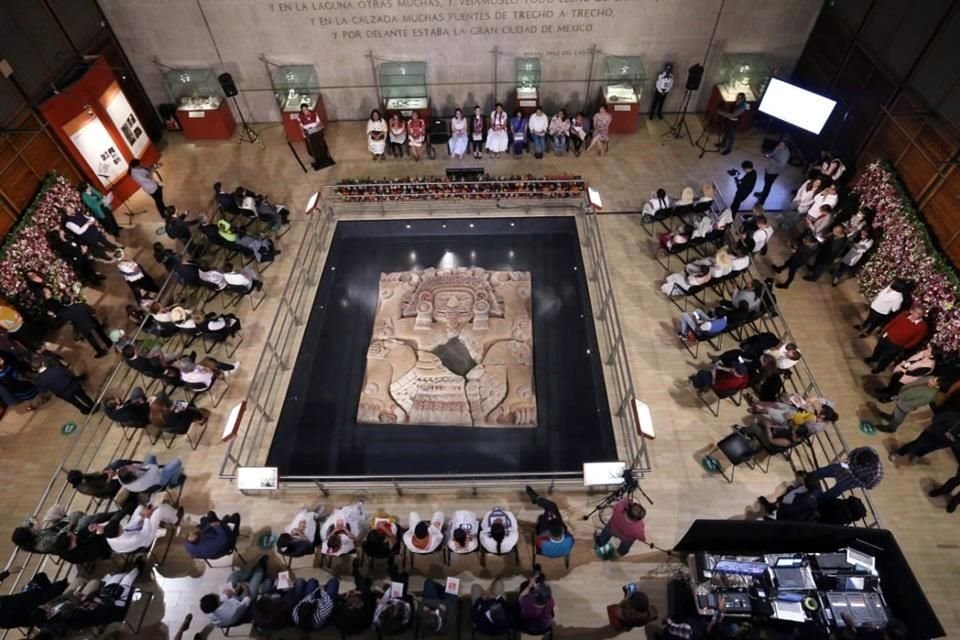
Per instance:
x=79, y=113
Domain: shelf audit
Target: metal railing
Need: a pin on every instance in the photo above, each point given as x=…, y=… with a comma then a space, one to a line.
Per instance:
x=250, y=447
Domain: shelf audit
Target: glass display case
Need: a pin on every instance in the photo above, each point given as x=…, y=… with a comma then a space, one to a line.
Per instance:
x=528, y=73
x=747, y=73
x=403, y=85
x=293, y=85
x=193, y=89
x=624, y=78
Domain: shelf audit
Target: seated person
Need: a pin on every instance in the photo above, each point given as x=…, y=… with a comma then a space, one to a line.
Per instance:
x=754, y=236
x=187, y=272
x=178, y=227
x=394, y=615
x=536, y=605
x=692, y=276
x=259, y=206
x=140, y=282
x=244, y=280
x=464, y=528
x=489, y=610
x=226, y=201
x=17, y=609
x=221, y=326
x=635, y=609
x=678, y=238
x=553, y=539
x=139, y=317
x=751, y=295
x=316, y=607
x=139, y=477
x=424, y=536
x=819, y=223
x=211, y=278
x=231, y=606
x=260, y=248
x=786, y=356
x=658, y=202
x=175, y=417
x=213, y=537
x=499, y=532
x=383, y=539
x=342, y=528
x=724, y=381
x=89, y=603
x=141, y=530
x=300, y=537
x=697, y=325
x=202, y=374
x=132, y=412
x=99, y=484
x=775, y=436
x=150, y=364
x=740, y=261
x=273, y=610
x=354, y=610
x=165, y=257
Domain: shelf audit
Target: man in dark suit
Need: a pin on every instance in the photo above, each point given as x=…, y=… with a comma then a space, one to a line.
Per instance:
x=151, y=367
x=85, y=322
x=132, y=412
x=745, y=185
x=53, y=376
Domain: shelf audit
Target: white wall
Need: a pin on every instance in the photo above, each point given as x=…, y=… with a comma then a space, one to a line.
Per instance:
x=455, y=37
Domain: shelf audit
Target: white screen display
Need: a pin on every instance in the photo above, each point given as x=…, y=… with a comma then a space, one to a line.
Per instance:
x=796, y=106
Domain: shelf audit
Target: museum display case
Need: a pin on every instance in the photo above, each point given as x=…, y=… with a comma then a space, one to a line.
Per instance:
x=528, y=84
x=403, y=88
x=292, y=86
x=747, y=73
x=623, y=78
x=202, y=110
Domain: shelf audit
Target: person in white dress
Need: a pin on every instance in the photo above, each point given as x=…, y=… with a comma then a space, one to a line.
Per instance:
x=376, y=135
x=497, y=137
x=398, y=135
x=458, y=135
x=424, y=536
x=464, y=532
x=342, y=529
x=499, y=532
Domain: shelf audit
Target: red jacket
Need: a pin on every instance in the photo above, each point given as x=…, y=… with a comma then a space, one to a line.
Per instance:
x=904, y=332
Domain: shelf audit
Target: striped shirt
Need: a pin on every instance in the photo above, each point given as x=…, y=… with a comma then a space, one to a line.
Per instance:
x=322, y=611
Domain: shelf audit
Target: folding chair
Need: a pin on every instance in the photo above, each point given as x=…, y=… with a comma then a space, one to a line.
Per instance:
x=648, y=221
x=192, y=391
x=239, y=293
x=736, y=397
x=230, y=553
x=515, y=552
x=679, y=293
x=736, y=448
x=406, y=552
x=136, y=595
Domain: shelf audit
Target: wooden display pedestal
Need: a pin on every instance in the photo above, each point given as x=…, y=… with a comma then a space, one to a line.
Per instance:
x=723, y=99
x=214, y=124
x=291, y=123
x=625, y=115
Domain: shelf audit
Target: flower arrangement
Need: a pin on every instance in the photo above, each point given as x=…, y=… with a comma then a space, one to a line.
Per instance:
x=445, y=188
x=26, y=247
x=905, y=250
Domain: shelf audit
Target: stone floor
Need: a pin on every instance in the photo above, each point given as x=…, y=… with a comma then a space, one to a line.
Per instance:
x=820, y=317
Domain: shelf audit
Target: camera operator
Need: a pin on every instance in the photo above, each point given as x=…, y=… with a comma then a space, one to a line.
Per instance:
x=626, y=521
x=745, y=184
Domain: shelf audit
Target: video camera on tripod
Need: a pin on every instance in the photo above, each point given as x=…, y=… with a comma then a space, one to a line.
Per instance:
x=628, y=486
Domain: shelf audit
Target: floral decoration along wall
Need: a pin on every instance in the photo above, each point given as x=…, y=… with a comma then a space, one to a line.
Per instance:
x=905, y=250
x=26, y=247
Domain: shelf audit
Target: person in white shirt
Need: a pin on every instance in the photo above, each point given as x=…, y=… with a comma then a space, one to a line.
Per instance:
x=141, y=476
x=230, y=606
x=740, y=261
x=832, y=168
x=537, y=125
x=819, y=222
x=884, y=305
x=245, y=279
x=854, y=255
x=787, y=356
x=300, y=536
x=693, y=275
x=144, y=176
x=342, y=529
x=464, y=528
x=658, y=202
x=827, y=196
x=424, y=536
x=663, y=86
x=805, y=194
x=758, y=238
x=213, y=278
x=201, y=375
x=497, y=137
x=499, y=532
x=141, y=530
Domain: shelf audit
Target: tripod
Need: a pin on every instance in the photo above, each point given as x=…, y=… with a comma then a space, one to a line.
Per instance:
x=624, y=490
x=247, y=134
x=679, y=125
x=702, y=142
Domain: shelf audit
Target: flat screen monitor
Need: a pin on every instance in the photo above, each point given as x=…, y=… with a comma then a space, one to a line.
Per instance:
x=740, y=567
x=796, y=106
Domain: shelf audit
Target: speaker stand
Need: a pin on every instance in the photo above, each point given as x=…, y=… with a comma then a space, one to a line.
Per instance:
x=679, y=125
x=703, y=142
x=247, y=134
